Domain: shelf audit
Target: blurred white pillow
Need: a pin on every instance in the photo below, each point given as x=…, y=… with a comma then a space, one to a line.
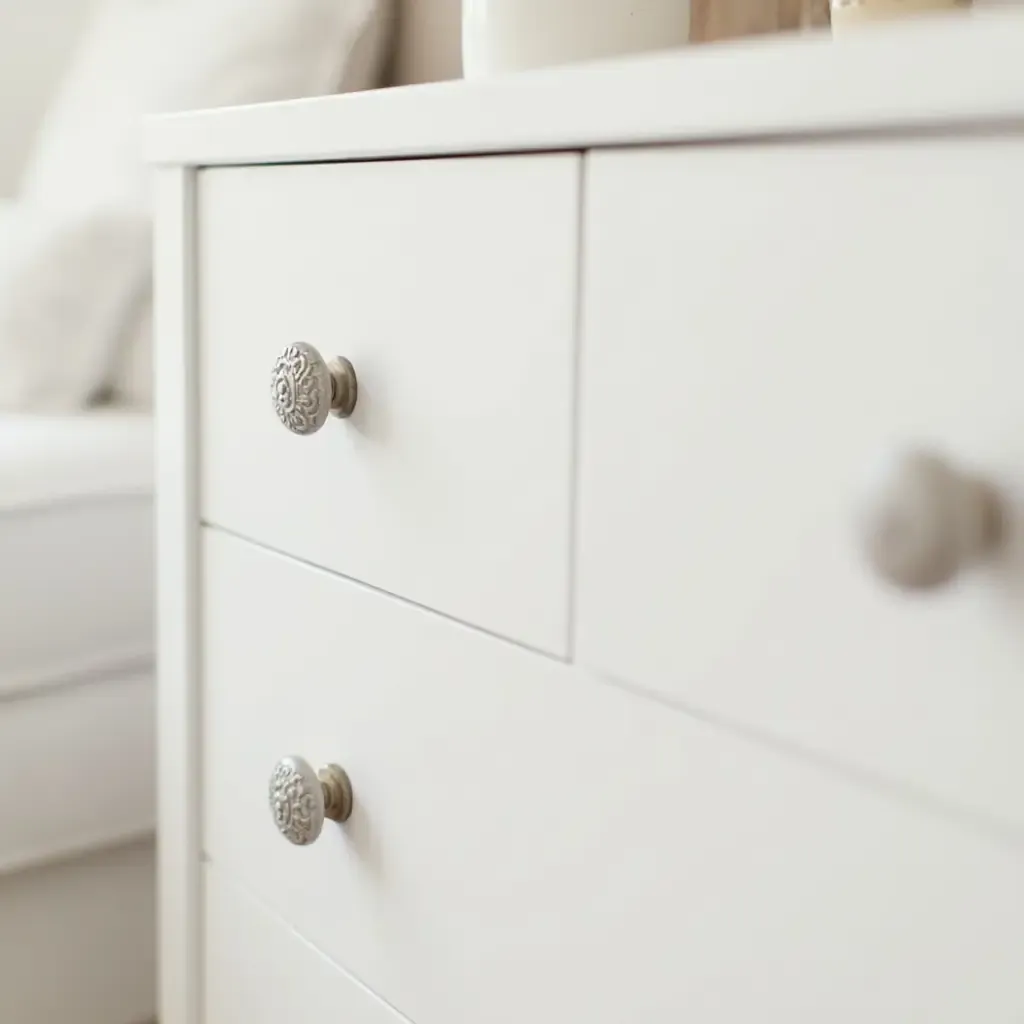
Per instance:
x=66, y=281
x=87, y=187
x=140, y=57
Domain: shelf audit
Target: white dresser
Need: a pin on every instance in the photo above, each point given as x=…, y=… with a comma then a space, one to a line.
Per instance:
x=656, y=583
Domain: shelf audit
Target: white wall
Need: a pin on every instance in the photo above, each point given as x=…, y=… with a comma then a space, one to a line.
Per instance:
x=36, y=37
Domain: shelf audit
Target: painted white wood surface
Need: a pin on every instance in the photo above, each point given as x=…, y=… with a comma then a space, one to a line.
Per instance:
x=451, y=286
x=260, y=971
x=766, y=322
x=177, y=527
x=941, y=71
x=529, y=843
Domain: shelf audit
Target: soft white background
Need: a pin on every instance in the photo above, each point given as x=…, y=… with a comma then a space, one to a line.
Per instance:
x=36, y=38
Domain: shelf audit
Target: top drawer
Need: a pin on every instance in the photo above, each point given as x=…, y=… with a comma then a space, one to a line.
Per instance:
x=450, y=286
x=785, y=316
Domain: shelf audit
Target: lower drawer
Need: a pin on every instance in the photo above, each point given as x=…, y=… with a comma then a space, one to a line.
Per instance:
x=531, y=844
x=258, y=971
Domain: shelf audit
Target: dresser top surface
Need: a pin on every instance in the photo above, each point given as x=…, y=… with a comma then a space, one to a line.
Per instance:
x=943, y=71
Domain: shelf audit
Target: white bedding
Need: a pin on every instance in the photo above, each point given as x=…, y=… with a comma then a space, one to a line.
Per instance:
x=48, y=459
x=76, y=632
x=76, y=536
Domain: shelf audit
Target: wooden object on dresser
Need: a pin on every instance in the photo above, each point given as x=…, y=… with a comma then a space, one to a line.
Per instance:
x=651, y=708
x=714, y=20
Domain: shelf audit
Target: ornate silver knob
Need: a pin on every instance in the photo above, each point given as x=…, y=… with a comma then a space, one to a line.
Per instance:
x=305, y=388
x=301, y=799
x=927, y=521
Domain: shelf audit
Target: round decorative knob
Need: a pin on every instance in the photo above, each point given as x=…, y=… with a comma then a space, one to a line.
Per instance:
x=927, y=521
x=305, y=388
x=301, y=799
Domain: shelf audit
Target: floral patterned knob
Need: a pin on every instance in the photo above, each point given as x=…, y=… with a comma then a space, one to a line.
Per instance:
x=927, y=521
x=300, y=799
x=306, y=388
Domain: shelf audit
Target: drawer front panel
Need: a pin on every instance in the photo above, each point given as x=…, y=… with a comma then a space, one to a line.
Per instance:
x=788, y=317
x=258, y=971
x=450, y=287
x=528, y=843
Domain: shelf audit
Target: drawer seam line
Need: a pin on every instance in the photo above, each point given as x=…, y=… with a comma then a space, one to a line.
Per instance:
x=562, y=659
x=576, y=407
x=982, y=824
x=228, y=877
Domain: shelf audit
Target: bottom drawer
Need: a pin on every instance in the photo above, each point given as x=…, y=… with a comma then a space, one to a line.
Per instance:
x=258, y=971
x=529, y=844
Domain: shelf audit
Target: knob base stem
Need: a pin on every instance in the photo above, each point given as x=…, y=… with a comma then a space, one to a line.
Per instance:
x=993, y=517
x=337, y=792
x=344, y=387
